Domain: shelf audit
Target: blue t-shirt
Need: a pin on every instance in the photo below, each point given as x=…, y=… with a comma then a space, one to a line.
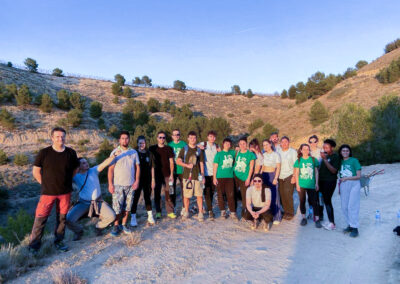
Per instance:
x=91, y=190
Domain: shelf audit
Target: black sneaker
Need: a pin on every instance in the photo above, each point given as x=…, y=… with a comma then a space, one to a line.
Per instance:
x=211, y=215
x=318, y=224
x=77, y=236
x=354, y=233
x=347, y=230
x=303, y=222
x=61, y=246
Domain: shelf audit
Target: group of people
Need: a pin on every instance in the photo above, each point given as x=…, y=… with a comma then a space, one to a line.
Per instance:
x=262, y=176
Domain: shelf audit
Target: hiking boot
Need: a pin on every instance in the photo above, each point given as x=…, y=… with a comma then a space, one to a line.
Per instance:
x=211, y=215
x=150, y=218
x=115, y=231
x=303, y=222
x=77, y=236
x=185, y=214
x=172, y=215
x=200, y=216
x=223, y=213
x=318, y=224
x=253, y=225
x=126, y=230
x=329, y=226
x=347, y=230
x=354, y=233
x=133, y=220
x=158, y=215
x=61, y=246
x=233, y=216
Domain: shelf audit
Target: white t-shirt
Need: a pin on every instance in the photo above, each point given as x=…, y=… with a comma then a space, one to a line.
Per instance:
x=255, y=196
x=125, y=167
x=316, y=154
x=271, y=159
x=91, y=190
x=260, y=159
x=209, y=156
x=288, y=158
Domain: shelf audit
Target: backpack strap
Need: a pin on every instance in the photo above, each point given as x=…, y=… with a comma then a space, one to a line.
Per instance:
x=186, y=149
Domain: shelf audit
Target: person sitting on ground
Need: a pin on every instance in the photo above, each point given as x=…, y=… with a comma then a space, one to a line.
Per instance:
x=258, y=200
x=90, y=202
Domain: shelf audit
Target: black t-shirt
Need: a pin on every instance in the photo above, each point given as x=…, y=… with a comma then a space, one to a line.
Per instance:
x=161, y=159
x=146, y=163
x=324, y=173
x=57, y=170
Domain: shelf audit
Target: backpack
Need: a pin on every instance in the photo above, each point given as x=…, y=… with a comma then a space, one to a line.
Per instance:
x=186, y=149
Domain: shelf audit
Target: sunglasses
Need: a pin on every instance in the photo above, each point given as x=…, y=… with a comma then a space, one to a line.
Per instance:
x=176, y=135
x=257, y=181
x=161, y=137
x=312, y=142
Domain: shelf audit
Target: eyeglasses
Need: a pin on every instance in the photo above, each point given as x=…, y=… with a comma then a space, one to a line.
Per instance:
x=161, y=137
x=312, y=142
x=257, y=181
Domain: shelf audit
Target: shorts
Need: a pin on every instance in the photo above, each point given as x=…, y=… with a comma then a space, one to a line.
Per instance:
x=196, y=188
x=122, y=198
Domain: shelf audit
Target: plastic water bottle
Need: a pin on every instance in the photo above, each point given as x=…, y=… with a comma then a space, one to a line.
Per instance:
x=398, y=217
x=377, y=217
x=201, y=181
x=171, y=187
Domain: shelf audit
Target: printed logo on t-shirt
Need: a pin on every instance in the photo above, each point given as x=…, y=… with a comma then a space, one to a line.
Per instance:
x=345, y=171
x=306, y=171
x=227, y=162
x=241, y=165
x=177, y=150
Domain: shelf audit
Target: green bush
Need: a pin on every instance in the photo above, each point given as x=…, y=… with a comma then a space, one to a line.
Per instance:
x=21, y=159
x=391, y=73
x=167, y=106
x=3, y=157
x=350, y=72
x=231, y=115
x=31, y=65
x=292, y=92
x=114, y=131
x=9, y=64
x=101, y=124
x=392, y=45
x=17, y=227
x=360, y=64
x=318, y=114
x=249, y=93
x=119, y=79
x=284, y=94
x=301, y=98
x=5, y=94
x=23, y=96
x=268, y=129
x=74, y=117
x=46, y=103
x=96, y=109
x=247, y=111
x=104, y=152
x=179, y=85
x=255, y=125
x=116, y=89
x=235, y=89
x=57, y=72
x=153, y=105
x=137, y=81
x=127, y=92
x=115, y=100
x=63, y=100
x=77, y=101
x=146, y=81
x=6, y=119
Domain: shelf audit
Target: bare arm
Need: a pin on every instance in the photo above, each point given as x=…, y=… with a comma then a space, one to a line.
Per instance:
x=316, y=179
x=296, y=178
x=332, y=169
x=37, y=174
x=215, y=169
x=277, y=172
x=265, y=208
x=137, y=177
x=171, y=167
x=110, y=176
x=105, y=163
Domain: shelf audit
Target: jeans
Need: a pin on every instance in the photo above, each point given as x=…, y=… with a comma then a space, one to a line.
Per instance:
x=275, y=198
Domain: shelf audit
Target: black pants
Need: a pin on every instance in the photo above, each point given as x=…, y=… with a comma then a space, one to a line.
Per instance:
x=173, y=196
x=146, y=188
x=209, y=190
x=226, y=187
x=266, y=216
x=242, y=189
x=327, y=189
x=312, y=197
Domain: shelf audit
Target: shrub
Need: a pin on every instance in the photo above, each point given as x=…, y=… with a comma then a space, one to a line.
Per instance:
x=9, y=64
x=74, y=117
x=137, y=81
x=247, y=111
x=236, y=90
x=255, y=125
x=115, y=100
x=63, y=100
x=17, y=227
x=23, y=96
x=3, y=157
x=31, y=64
x=249, y=93
x=292, y=92
x=127, y=92
x=119, y=79
x=96, y=109
x=392, y=45
x=77, y=101
x=231, y=115
x=360, y=64
x=301, y=98
x=104, y=152
x=284, y=94
x=57, y=72
x=391, y=73
x=46, y=103
x=268, y=129
x=179, y=85
x=166, y=106
x=101, y=124
x=113, y=131
x=153, y=105
x=5, y=95
x=116, y=89
x=6, y=119
x=350, y=72
x=146, y=81
x=21, y=159
x=318, y=114
x=12, y=89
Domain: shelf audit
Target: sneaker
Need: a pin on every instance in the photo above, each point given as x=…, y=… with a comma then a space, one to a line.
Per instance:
x=61, y=246
x=133, y=220
x=150, y=219
x=288, y=216
x=172, y=215
x=77, y=236
x=329, y=226
x=347, y=230
x=223, y=213
x=276, y=222
x=253, y=225
x=303, y=222
x=185, y=214
x=233, y=216
x=354, y=233
x=266, y=227
x=115, y=231
x=318, y=224
x=126, y=229
x=200, y=217
x=211, y=215
x=158, y=215
x=321, y=218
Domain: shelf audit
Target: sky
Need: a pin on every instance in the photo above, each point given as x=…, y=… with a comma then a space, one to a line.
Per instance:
x=262, y=45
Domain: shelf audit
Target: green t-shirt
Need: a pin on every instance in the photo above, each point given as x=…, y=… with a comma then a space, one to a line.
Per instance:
x=242, y=164
x=177, y=147
x=349, y=167
x=225, y=161
x=306, y=171
x=324, y=173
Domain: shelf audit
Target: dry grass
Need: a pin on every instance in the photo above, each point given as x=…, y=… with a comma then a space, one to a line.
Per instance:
x=115, y=259
x=62, y=274
x=133, y=239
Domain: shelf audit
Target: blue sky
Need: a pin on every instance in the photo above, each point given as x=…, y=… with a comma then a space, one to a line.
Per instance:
x=262, y=45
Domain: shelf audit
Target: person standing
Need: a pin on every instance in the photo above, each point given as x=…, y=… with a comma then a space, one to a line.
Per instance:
x=177, y=145
x=146, y=182
x=328, y=179
x=123, y=180
x=54, y=168
x=223, y=177
x=243, y=170
x=164, y=174
x=306, y=175
x=316, y=153
x=191, y=158
x=254, y=146
x=286, y=179
x=90, y=201
x=210, y=150
x=270, y=173
x=349, y=189
x=274, y=138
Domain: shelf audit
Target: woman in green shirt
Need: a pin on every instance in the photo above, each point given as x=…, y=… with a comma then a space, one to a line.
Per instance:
x=349, y=189
x=306, y=176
